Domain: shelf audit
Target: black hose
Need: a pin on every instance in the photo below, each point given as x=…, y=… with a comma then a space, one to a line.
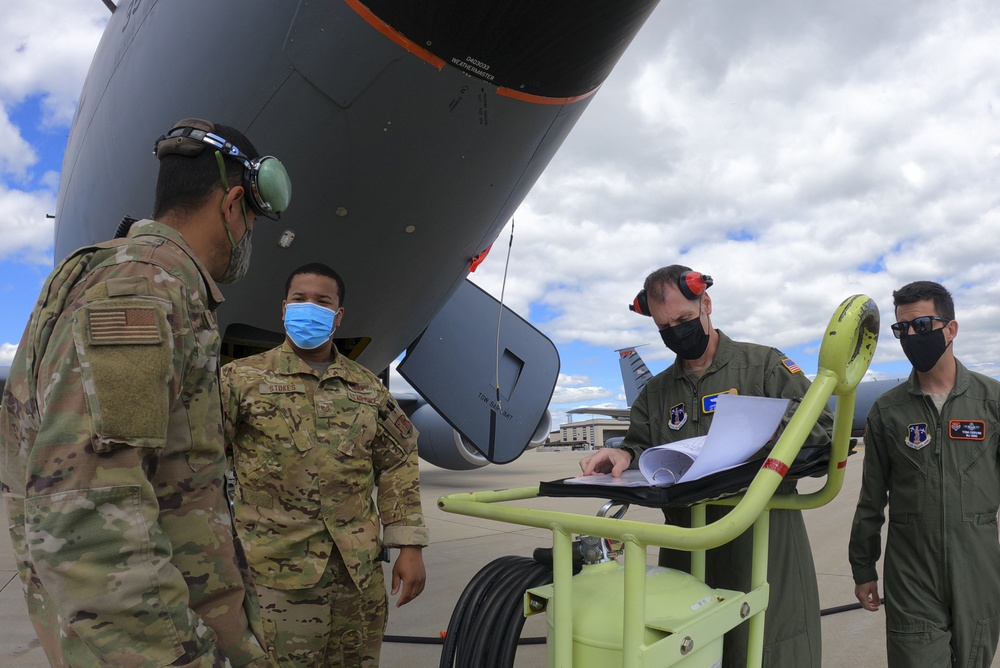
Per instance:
x=465, y=609
x=459, y=615
x=485, y=627
x=846, y=608
x=536, y=576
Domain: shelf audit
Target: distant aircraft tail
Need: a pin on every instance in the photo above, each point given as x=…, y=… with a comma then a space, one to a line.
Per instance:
x=635, y=374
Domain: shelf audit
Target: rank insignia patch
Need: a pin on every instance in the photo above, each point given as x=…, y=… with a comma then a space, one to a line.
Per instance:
x=967, y=430
x=678, y=416
x=918, y=436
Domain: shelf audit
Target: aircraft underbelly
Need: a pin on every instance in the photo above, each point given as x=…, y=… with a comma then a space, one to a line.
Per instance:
x=403, y=167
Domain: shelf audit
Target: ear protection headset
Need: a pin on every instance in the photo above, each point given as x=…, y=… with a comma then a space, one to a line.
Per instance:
x=264, y=178
x=692, y=285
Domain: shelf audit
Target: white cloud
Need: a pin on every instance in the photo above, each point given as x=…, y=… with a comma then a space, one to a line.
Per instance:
x=7, y=351
x=16, y=155
x=573, y=395
x=25, y=232
x=46, y=49
x=799, y=153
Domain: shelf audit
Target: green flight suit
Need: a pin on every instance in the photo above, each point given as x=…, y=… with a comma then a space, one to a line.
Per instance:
x=941, y=475
x=674, y=406
x=112, y=464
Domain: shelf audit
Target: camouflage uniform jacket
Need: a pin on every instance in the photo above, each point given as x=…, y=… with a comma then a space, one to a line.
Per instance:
x=309, y=450
x=112, y=463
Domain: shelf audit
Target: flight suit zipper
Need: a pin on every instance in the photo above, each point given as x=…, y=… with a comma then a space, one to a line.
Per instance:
x=942, y=486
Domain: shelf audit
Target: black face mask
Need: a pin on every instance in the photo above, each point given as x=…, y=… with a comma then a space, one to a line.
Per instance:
x=924, y=350
x=688, y=339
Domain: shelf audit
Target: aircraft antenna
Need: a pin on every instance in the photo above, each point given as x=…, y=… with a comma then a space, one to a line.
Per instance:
x=503, y=286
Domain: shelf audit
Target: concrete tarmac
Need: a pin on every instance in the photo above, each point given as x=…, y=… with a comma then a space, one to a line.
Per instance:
x=461, y=546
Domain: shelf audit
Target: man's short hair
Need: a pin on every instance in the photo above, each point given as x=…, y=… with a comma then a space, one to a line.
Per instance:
x=185, y=182
x=657, y=282
x=919, y=291
x=318, y=269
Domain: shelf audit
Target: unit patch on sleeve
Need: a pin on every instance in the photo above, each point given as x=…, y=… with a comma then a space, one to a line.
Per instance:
x=709, y=400
x=918, y=437
x=967, y=430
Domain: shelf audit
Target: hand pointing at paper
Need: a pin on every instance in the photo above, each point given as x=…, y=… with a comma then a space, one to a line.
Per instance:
x=606, y=460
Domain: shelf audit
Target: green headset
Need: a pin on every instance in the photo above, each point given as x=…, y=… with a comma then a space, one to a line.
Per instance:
x=264, y=178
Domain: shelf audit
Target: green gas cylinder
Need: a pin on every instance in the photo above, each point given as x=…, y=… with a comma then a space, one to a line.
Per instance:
x=672, y=598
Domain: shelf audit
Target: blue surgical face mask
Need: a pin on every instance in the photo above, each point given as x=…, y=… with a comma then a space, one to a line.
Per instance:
x=309, y=325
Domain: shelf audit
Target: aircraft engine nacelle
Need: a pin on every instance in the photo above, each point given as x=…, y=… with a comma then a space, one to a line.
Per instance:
x=441, y=445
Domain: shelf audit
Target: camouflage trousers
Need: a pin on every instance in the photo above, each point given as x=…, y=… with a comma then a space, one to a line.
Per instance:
x=332, y=623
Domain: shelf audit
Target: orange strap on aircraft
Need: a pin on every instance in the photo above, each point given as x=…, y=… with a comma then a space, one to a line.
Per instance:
x=478, y=258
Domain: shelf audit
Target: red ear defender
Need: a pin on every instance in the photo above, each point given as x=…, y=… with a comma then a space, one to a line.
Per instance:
x=639, y=304
x=693, y=284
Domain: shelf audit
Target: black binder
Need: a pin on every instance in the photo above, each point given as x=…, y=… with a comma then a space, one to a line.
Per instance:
x=812, y=461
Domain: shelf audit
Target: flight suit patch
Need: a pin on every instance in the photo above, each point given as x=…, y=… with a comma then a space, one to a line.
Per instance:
x=791, y=366
x=967, y=430
x=678, y=416
x=918, y=437
x=709, y=400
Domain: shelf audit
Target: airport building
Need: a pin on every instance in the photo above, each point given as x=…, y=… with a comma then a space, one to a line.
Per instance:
x=588, y=434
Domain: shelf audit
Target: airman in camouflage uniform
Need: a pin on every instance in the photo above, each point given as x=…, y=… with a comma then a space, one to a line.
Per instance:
x=112, y=458
x=313, y=434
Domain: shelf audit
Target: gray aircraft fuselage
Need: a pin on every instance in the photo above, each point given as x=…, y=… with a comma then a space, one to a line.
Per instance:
x=411, y=133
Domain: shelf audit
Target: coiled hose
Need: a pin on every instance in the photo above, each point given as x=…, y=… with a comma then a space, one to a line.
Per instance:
x=485, y=627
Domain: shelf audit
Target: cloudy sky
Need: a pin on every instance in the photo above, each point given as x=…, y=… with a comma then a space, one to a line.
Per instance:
x=799, y=152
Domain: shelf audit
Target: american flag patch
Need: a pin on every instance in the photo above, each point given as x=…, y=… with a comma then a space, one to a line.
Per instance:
x=791, y=366
x=128, y=325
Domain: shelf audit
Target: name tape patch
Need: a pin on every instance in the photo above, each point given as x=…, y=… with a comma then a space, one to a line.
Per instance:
x=281, y=388
x=709, y=400
x=967, y=430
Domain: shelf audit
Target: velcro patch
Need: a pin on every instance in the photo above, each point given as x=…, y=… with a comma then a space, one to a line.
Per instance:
x=967, y=430
x=281, y=388
x=709, y=400
x=395, y=422
x=129, y=325
x=791, y=366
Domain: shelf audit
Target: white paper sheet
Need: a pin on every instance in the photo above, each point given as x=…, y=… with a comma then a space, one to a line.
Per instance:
x=630, y=478
x=666, y=464
x=742, y=425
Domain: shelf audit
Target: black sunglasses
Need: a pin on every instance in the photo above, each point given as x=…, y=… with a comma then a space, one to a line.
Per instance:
x=921, y=325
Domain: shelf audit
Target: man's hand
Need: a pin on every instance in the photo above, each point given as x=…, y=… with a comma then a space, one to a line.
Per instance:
x=606, y=460
x=867, y=594
x=408, y=571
